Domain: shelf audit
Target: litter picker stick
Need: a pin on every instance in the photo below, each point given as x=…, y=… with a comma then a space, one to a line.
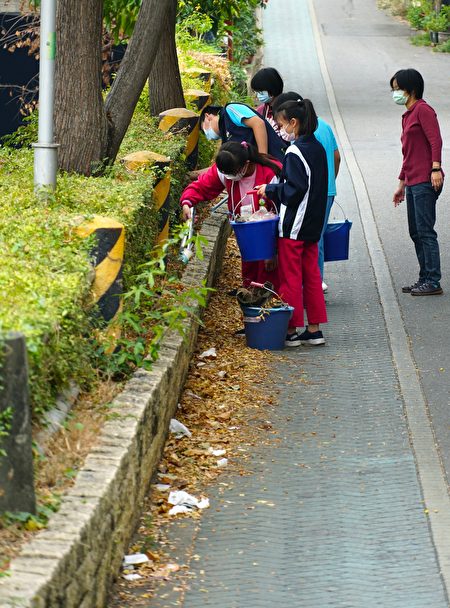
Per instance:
x=186, y=247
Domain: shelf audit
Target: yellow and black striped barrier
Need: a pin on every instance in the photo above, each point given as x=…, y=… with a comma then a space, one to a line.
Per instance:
x=177, y=120
x=199, y=98
x=107, y=257
x=161, y=187
x=200, y=74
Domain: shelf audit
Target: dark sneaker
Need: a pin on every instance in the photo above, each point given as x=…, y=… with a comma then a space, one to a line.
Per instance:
x=427, y=289
x=409, y=288
x=240, y=333
x=292, y=340
x=314, y=338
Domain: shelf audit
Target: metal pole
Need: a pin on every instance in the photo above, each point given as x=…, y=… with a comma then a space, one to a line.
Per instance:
x=46, y=151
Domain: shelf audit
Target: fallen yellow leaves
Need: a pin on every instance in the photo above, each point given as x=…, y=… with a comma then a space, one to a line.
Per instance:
x=224, y=406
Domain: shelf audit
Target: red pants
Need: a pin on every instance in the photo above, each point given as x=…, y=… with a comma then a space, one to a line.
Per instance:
x=256, y=271
x=300, y=281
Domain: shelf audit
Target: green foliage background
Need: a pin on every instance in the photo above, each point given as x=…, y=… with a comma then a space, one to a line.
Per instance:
x=45, y=274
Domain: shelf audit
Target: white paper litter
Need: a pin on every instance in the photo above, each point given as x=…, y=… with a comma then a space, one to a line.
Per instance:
x=208, y=354
x=185, y=503
x=222, y=462
x=134, y=559
x=217, y=452
x=132, y=577
x=179, y=429
x=162, y=487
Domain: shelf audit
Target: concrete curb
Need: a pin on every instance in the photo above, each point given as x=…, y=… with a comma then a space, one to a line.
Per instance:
x=73, y=562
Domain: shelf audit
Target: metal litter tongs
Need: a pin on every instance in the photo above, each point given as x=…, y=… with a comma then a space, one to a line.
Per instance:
x=186, y=247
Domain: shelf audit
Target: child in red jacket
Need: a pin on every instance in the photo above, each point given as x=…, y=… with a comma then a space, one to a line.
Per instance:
x=239, y=167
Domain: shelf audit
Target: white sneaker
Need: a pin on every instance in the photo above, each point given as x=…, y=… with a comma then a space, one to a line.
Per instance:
x=324, y=287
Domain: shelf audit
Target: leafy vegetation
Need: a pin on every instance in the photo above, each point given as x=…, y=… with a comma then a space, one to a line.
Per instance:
x=46, y=273
x=155, y=303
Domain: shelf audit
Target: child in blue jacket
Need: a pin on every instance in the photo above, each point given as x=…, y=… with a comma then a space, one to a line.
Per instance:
x=301, y=199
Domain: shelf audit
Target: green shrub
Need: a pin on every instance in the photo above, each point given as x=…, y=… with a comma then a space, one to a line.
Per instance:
x=417, y=13
x=436, y=22
x=45, y=273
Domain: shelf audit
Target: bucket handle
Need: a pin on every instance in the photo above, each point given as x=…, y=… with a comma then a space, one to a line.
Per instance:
x=250, y=192
x=343, y=212
x=263, y=286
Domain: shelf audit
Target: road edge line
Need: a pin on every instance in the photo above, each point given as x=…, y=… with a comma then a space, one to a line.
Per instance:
x=428, y=462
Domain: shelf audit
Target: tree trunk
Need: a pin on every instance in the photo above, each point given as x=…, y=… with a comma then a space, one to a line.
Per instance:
x=80, y=119
x=134, y=70
x=164, y=83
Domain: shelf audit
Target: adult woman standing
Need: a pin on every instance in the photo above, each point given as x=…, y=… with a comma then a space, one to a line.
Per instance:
x=421, y=177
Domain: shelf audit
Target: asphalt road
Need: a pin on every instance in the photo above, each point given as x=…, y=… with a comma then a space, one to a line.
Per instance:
x=364, y=47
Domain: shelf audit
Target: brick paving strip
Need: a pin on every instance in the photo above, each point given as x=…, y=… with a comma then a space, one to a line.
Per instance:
x=347, y=506
x=72, y=563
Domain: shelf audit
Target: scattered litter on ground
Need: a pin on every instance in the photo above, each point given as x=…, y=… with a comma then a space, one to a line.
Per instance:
x=162, y=487
x=222, y=462
x=134, y=559
x=179, y=429
x=132, y=577
x=164, y=571
x=217, y=452
x=208, y=354
x=186, y=503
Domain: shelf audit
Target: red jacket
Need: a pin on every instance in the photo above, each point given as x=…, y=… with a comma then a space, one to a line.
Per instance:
x=211, y=183
x=421, y=143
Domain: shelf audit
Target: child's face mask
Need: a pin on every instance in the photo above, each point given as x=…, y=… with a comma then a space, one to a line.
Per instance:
x=287, y=135
x=239, y=175
x=263, y=96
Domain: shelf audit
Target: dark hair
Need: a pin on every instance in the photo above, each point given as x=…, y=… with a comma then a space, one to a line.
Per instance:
x=303, y=111
x=409, y=80
x=209, y=110
x=233, y=155
x=267, y=79
x=289, y=96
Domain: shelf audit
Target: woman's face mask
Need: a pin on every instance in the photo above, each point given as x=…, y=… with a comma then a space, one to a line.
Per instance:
x=400, y=97
x=263, y=96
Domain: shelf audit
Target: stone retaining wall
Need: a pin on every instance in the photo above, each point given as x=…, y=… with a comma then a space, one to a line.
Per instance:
x=73, y=562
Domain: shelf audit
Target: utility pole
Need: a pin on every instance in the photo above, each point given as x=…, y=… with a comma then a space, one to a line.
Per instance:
x=45, y=150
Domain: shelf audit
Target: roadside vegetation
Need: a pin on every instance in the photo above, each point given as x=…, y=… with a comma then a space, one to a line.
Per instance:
x=429, y=21
x=47, y=273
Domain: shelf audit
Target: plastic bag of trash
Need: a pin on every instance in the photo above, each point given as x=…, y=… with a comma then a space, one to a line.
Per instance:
x=255, y=296
x=179, y=429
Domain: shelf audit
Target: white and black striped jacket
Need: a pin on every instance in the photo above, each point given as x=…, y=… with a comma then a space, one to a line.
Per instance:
x=301, y=195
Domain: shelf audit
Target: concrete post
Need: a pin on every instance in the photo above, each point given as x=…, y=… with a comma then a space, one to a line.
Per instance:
x=16, y=467
x=161, y=187
x=198, y=97
x=203, y=75
x=180, y=120
x=46, y=151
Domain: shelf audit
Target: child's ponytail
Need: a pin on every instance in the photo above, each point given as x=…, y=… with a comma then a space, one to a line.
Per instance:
x=233, y=155
x=303, y=111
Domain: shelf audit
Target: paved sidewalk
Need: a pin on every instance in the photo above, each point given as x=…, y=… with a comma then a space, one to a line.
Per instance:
x=333, y=514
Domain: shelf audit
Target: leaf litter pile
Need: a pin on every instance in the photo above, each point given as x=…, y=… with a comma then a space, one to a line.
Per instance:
x=224, y=406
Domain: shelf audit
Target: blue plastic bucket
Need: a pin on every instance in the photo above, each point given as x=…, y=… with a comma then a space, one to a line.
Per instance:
x=266, y=328
x=336, y=241
x=257, y=240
